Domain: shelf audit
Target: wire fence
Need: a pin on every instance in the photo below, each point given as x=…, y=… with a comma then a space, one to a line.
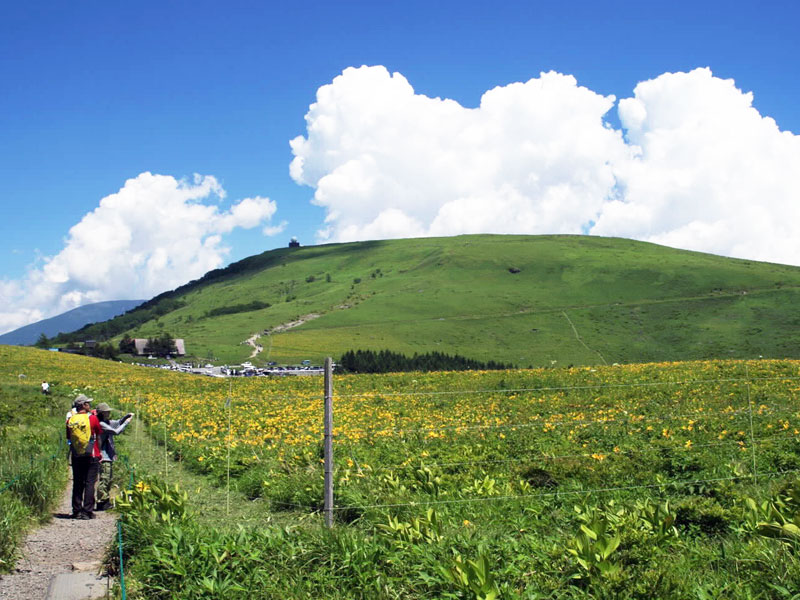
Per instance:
x=585, y=491
x=745, y=415
x=778, y=437
x=742, y=409
x=124, y=591
x=120, y=543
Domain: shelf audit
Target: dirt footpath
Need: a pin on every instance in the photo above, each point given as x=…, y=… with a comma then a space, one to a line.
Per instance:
x=62, y=546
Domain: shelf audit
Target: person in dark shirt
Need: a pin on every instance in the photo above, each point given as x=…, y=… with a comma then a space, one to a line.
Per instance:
x=108, y=453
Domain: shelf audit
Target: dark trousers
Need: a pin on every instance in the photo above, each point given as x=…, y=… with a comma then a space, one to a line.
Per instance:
x=84, y=478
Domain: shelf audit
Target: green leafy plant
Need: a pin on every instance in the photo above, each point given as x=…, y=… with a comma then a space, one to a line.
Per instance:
x=428, y=482
x=596, y=543
x=778, y=517
x=426, y=529
x=483, y=487
x=393, y=482
x=657, y=517
x=472, y=577
x=149, y=507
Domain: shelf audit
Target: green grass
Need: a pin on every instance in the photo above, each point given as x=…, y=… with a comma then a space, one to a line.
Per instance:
x=682, y=520
x=629, y=302
x=523, y=464
x=143, y=456
x=33, y=469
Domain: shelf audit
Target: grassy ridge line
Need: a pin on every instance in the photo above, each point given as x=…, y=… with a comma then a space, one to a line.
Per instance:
x=467, y=281
x=283, y=348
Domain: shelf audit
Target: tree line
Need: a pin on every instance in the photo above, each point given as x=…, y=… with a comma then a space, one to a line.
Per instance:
x=237, y=308
x=162, y=345
x=386, y=361
x=107, y=350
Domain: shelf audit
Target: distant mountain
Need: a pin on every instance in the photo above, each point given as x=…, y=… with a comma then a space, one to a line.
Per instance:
x=68, y=321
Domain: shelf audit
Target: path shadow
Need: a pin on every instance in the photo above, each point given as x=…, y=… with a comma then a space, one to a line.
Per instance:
x=62, y=515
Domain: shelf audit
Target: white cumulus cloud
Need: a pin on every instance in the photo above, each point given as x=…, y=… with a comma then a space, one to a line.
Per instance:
x=154, y=234
x=694, y=166
x=710, y=173
x=386, y=162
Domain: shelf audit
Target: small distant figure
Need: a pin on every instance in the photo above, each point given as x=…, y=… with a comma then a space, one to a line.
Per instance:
x=293, y=243
x=108, y=453
x=83, y=433
x=45, y=388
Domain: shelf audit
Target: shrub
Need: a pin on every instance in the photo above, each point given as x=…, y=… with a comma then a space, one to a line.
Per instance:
x=702, y=515
x=12, y=514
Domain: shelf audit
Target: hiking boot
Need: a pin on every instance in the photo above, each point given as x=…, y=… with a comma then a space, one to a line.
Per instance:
x=86, y=516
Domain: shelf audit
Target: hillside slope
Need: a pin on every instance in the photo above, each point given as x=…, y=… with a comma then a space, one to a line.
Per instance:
x=528, y=300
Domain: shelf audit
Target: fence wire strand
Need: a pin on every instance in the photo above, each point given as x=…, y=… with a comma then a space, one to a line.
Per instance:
x=606, y=452
x=627, y=419
x=424, y=502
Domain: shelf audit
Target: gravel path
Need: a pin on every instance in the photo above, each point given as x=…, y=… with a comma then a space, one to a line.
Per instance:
x=63, y=545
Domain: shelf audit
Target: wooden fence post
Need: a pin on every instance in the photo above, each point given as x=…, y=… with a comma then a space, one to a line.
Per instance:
x=328, y=423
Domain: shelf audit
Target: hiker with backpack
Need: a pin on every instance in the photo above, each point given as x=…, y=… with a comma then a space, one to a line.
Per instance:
x=107, y=451
x=79, y=399
x=83, y=434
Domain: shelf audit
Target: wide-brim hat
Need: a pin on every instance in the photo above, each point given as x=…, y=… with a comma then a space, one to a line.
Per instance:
x=103, y=407
x=81, y=399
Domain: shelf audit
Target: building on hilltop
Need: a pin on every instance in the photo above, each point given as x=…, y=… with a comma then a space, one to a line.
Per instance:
x=293, y=243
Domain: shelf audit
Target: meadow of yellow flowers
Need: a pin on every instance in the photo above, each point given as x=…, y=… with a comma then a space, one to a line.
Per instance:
x=653, y=480
x=740, y=414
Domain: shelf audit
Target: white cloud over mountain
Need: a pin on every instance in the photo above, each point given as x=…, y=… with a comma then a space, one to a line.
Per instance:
x=695, y=166
x=154, y=234
x=710, y=173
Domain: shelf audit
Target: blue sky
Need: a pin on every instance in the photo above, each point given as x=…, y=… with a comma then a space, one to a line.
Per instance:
x=95, y=94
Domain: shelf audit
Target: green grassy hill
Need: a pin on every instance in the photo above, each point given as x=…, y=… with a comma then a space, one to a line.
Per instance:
x=527, y=300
